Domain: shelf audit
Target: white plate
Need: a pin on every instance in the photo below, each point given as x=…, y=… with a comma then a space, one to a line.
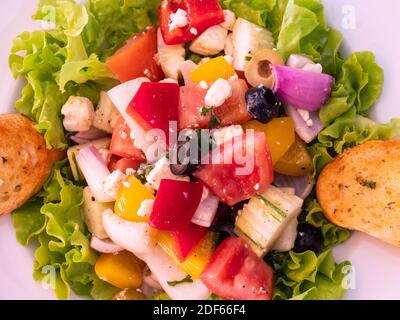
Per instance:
x=375, y=28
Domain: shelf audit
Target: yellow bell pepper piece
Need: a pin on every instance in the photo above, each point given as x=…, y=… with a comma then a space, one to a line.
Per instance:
x=212, y=70
x=129, y=199
x=127, y=294
x=197, y=261
x=280, y=135
x=123, y=270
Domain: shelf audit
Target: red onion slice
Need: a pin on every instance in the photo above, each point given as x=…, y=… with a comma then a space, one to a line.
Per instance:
x=305, y=90
x=95, y=171
x=92, y=134
x=301, y=185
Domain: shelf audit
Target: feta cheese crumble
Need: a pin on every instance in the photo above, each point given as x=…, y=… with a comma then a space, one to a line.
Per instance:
x=146, y=207
x=178, y=20
x=227, y=133
x=162, y=171
x=203, y=84
x=112, y=183
x=219, y=92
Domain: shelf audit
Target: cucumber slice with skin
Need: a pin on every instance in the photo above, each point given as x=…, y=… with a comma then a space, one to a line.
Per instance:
x=265, y=217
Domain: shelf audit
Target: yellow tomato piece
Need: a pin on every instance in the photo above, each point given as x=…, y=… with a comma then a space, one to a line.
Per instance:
x=197, y=261
x=279, y=133
x=296, y=162
x=127, y=294
x=212, y=70
x=123, y=270
x=129, y=199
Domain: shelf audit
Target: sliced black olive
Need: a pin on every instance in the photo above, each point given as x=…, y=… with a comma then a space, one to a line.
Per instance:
x=308, y=238
x=263, y=104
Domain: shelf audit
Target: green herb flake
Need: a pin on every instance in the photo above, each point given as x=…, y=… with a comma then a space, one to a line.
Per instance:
x=187, y=279
x=367, y=183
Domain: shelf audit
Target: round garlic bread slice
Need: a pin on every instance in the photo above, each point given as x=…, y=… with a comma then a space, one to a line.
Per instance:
x=25, y=162
x=360, y=190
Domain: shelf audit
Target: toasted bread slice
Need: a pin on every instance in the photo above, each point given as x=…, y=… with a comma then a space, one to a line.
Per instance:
x=25, y=162
x=360, y=190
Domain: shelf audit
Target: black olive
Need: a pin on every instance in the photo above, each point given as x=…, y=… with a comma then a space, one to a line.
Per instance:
x=224, y=222
x=263, y=104
x=308, y=238
x=185, y=157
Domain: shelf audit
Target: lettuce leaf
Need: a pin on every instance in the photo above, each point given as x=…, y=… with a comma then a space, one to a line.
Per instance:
x=256, y=11
x=359, y=84
x=306, y=276
x=54, y=219
x=332, y=234
x=349, y=130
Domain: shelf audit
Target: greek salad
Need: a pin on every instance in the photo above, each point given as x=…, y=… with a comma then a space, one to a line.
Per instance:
x=195, y=131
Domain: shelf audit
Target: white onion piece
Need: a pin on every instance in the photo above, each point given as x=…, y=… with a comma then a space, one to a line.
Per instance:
x=301, y=185
x=205, y=213
x=95, y=171
x=186, y=67
x=132, y=236
x=306, y=133
x=165, y=269
x=104, y=246
x=136, y=238
x=92, y=134
x=151, y=279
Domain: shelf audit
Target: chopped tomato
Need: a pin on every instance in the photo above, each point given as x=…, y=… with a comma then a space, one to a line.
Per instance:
x=155, y=105
x=239, y=169
x=237, y=273
x=233, y=111
x=122, y=144
x=200, y=15
x=175, y=204
x=186, y=240
x=137, y=58
x=123, y=164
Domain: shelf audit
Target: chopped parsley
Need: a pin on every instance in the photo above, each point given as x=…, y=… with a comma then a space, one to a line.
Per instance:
x=214, y=120
x=247, y=58
x=187, y=279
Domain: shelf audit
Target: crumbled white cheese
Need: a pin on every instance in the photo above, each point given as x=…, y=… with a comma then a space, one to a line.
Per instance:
x=162, y=171
x=130, y=172
x=226, y=133
x=78, y=114
x=228, y=58
x=146, y=207
x=313, y=67
x=219, y=92
x=193, y=31
x=178, y=19
x=203, y=85
x=230, y=20
x=113, y=182
x=305, y=115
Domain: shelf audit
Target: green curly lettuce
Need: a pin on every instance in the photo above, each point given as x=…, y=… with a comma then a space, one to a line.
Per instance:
x=306, y=276
x=349, y=130
x=331, y=233
x=358, y=85
x=54, y=219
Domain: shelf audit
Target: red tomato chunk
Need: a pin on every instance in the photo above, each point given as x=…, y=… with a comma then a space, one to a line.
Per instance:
x=249, y=173
x=235, y=272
